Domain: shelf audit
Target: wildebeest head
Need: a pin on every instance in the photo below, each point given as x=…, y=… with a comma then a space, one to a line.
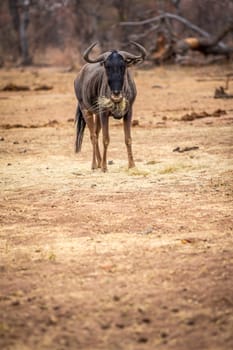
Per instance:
x=115, y=64
x=115, y=70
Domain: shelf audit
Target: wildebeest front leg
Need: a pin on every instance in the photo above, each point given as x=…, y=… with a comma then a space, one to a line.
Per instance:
x=128, y=139
x=90, y=120
x=97, y=130
x=106, y=139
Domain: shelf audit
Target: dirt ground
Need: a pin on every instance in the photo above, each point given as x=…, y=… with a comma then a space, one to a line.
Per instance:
x=134, y=260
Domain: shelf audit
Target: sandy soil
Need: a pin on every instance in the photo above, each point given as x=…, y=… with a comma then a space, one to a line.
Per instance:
x=137, y=259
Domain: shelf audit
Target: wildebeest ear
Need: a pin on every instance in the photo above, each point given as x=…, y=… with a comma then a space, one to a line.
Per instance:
x=130, y=58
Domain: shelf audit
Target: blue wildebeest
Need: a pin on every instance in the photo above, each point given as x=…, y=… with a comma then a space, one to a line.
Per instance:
x=104, y=88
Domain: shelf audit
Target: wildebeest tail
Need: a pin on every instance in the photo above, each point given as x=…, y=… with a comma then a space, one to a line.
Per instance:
x=79, y=129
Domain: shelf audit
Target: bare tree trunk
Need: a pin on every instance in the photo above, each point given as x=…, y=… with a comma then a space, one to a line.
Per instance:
x=19, y=10
x=24, y=21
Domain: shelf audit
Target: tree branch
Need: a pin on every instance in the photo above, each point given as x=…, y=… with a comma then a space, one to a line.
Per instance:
x=166, y=15
x=171, y=16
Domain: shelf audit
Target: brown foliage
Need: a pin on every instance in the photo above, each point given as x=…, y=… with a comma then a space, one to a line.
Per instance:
x=70, y=26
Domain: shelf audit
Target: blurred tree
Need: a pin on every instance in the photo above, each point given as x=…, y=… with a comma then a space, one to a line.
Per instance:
x=19, y=10
x=71, y=25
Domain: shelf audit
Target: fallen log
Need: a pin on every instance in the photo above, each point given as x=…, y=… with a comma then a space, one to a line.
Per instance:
x=209, y=45
x=166, y=43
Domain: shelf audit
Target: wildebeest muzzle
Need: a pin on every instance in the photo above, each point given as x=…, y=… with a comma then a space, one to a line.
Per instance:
x=116, y=97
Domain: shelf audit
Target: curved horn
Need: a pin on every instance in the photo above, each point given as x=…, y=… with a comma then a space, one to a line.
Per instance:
x=89, y=60
x=142, y=50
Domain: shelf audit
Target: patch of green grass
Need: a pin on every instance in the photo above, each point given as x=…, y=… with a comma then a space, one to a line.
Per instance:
x=168, y=170
x=4, y=328
x=137, y=172
x=171, y=169
x=52, y=257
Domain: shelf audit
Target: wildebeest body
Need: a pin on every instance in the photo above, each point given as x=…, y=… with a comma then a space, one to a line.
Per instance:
x=104, y=88
x=92, y=83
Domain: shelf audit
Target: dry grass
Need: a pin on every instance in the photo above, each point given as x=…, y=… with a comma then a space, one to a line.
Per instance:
x=129, y=259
